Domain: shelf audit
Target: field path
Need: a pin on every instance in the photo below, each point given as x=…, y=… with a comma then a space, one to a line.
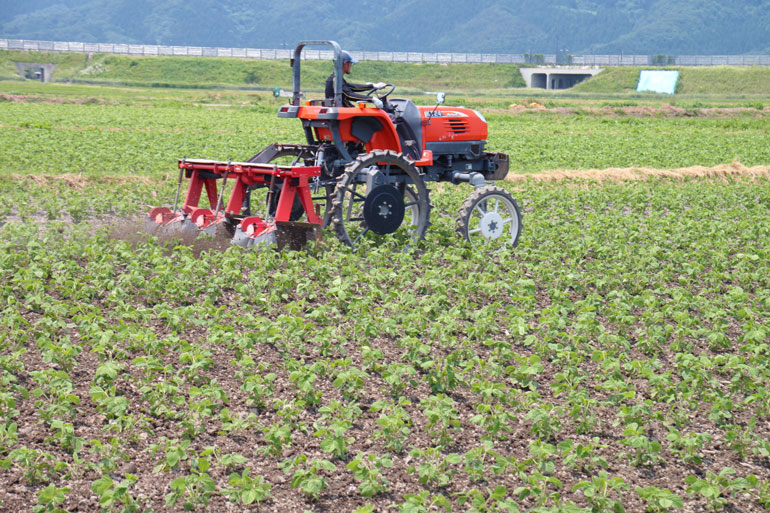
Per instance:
x=736, y=169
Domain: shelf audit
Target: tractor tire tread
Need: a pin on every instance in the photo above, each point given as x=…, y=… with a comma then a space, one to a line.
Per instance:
x=351, y=170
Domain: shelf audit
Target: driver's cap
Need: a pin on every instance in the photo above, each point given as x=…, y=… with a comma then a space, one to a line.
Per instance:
x=346, y=57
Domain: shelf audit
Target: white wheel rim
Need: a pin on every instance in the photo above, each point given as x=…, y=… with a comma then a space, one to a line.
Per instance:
x=493, y=217
x=492, y=225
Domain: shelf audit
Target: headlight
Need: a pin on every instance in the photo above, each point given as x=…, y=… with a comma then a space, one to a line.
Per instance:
x=480, y=116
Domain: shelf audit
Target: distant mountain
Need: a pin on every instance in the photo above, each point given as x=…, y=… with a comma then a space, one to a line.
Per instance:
x=693, y=27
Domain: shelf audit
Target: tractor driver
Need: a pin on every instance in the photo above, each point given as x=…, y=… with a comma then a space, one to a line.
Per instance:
x=350, y=92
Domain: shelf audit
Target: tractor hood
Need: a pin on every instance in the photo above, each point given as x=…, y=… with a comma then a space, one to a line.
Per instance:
x=452, y=124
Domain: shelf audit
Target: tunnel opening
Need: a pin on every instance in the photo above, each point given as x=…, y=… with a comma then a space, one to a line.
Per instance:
x=35, y=70
x=540, y=80
x=559, y=81
x=557, y=77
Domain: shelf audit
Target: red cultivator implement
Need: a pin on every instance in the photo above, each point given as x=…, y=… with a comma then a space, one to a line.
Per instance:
x=290, y=183
x=367, y=166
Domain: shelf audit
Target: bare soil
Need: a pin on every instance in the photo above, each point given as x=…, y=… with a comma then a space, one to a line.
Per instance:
x=723, y=171
x=662, y=111
x=49, y=100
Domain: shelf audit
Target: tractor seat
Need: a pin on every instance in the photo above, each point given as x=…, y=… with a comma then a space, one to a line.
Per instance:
x=408, y=126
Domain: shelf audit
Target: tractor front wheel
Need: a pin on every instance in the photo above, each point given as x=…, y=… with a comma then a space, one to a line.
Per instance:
x=380, y=193
x=490, y=218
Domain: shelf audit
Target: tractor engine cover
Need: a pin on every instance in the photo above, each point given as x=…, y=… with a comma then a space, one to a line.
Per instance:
x=384, y=209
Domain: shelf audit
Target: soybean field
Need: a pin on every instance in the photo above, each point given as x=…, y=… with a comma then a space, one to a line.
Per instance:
x=618, y=359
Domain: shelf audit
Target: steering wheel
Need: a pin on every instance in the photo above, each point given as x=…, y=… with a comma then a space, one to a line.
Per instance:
x=384, y=87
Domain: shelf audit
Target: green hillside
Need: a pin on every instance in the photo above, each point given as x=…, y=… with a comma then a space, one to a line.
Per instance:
x=645, y=27
x=67, y=64
x=489, y=79
x=250, y=73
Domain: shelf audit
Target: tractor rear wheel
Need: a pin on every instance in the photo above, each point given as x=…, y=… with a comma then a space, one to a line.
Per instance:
x=490, y=218
x=380, y=193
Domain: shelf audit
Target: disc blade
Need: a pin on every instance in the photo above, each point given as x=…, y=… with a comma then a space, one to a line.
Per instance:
x=241, y=238
x=264, y=240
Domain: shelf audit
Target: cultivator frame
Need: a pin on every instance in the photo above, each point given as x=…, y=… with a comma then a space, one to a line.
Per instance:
x=289, y=182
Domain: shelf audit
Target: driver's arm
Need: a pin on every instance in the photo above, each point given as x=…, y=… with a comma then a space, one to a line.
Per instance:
x=357, y=87
x=351, y=92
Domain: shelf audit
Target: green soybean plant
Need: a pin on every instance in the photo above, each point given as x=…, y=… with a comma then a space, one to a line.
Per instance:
x=333, y=439
x=246, y=489
x=659, y=500
x=442, y=417
x=49, y=499
x=546, y=421
x=715, y=487
x=583, y=456
x=111, y=493
x=688, y=446
x=394, y=423
x=38, y=466
x=603, y=493
x=306, y=474
x=476, y=501
x=367, y=468
x=424, y=502
x=196, y=488
x=175, y=451
x=645, y=450
x=434, y=468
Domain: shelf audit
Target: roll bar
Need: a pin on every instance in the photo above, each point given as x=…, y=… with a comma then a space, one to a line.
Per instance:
x=295, y=64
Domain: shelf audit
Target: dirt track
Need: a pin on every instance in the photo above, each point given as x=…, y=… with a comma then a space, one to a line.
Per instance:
x=734, y=170
x=663, y=111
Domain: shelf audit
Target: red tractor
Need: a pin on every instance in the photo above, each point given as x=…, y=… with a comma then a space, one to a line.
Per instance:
x=365, y=167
